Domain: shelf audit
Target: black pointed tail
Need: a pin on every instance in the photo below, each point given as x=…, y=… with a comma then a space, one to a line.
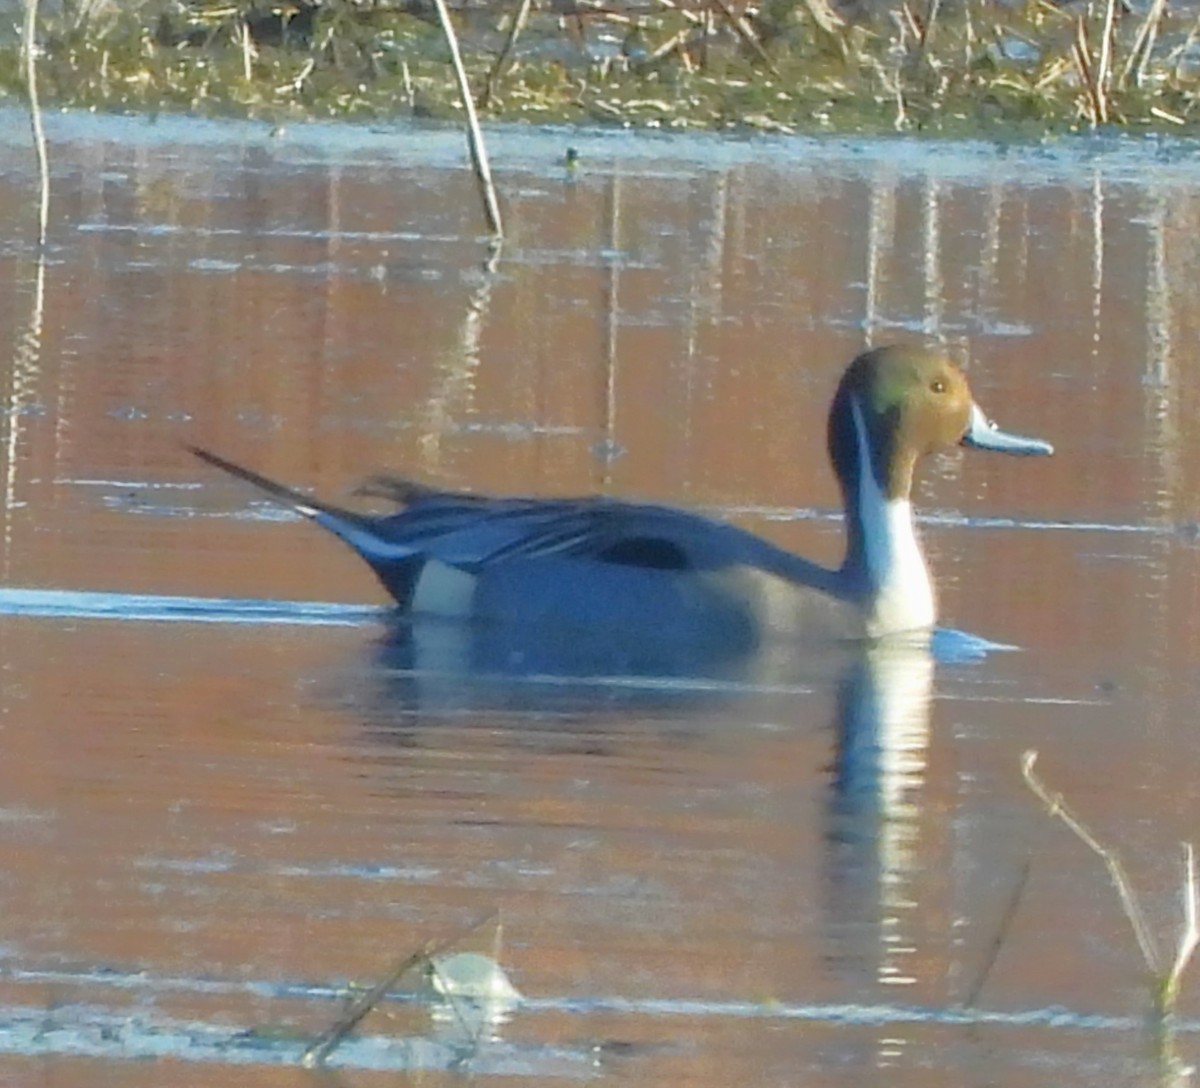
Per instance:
x=301, y=503
x=396, y=570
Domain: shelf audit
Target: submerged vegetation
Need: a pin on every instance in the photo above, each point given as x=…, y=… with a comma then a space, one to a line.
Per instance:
x=957, y=66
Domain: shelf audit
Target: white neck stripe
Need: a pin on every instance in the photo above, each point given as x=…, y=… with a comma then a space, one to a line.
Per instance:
x=901, y=589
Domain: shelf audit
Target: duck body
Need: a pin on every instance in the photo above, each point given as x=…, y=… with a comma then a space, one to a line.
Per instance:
x=615, y=568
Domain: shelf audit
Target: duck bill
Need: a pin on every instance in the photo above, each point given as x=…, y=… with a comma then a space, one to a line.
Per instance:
x=983, y=434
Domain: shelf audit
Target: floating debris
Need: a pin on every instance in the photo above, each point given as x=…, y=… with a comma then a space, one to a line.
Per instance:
x=472, y=988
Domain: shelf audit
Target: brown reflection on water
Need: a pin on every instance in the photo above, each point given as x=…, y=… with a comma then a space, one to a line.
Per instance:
x=274, y=803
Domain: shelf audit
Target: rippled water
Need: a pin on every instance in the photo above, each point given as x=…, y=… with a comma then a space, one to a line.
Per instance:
x=230, y=788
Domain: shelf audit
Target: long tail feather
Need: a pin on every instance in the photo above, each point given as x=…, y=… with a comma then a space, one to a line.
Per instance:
x=301, y=503
x=396, y=564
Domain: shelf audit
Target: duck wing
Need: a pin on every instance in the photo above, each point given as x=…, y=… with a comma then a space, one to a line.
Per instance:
x=474, y=535
x=474, y=532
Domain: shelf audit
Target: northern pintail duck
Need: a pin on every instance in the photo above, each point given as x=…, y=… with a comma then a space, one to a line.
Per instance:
x=603, y=563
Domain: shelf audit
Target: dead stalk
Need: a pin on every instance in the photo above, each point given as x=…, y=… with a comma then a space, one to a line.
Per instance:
x=1056, y=805
x=1006, y=920
x=479, y=159
x=1166, y=981
x=1181, y=52
x=409, y=93
x=931, y=14
x=1188, y=937
x=514, y=32
x=892, y=85
x=306, y=70
x=676, y=41
x=901, y=121
x=1143, y=45
x=746, y=32
x=1104, y=64
x=247, y=49
x=825, y=17
x=1081, y=51
x=690, y=16
x=1170, y=118
x=1053, y=73
x=328, y=1041
x=29, y=43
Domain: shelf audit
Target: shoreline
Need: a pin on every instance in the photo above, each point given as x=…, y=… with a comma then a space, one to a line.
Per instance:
x=982, y=70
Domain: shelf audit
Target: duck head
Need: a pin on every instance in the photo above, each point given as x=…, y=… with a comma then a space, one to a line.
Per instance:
x=893, y=406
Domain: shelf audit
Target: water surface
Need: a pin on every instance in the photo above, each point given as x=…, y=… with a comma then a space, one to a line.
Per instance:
x=226, y=793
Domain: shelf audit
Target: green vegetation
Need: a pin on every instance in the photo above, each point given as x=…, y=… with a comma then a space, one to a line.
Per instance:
x=943, y=66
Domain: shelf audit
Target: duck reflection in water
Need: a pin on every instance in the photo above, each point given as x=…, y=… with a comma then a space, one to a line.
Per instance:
x=427, y=678
x=861, y=719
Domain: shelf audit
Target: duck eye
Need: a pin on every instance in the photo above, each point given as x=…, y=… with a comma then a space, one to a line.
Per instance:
x=938, y=385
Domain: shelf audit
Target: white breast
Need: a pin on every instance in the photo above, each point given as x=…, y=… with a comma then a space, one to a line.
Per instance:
x=904, y=599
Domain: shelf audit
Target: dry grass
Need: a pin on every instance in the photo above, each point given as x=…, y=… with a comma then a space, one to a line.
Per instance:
x=781, y=65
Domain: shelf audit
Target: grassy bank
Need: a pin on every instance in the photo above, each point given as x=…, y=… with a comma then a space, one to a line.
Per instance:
x=942, y=66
